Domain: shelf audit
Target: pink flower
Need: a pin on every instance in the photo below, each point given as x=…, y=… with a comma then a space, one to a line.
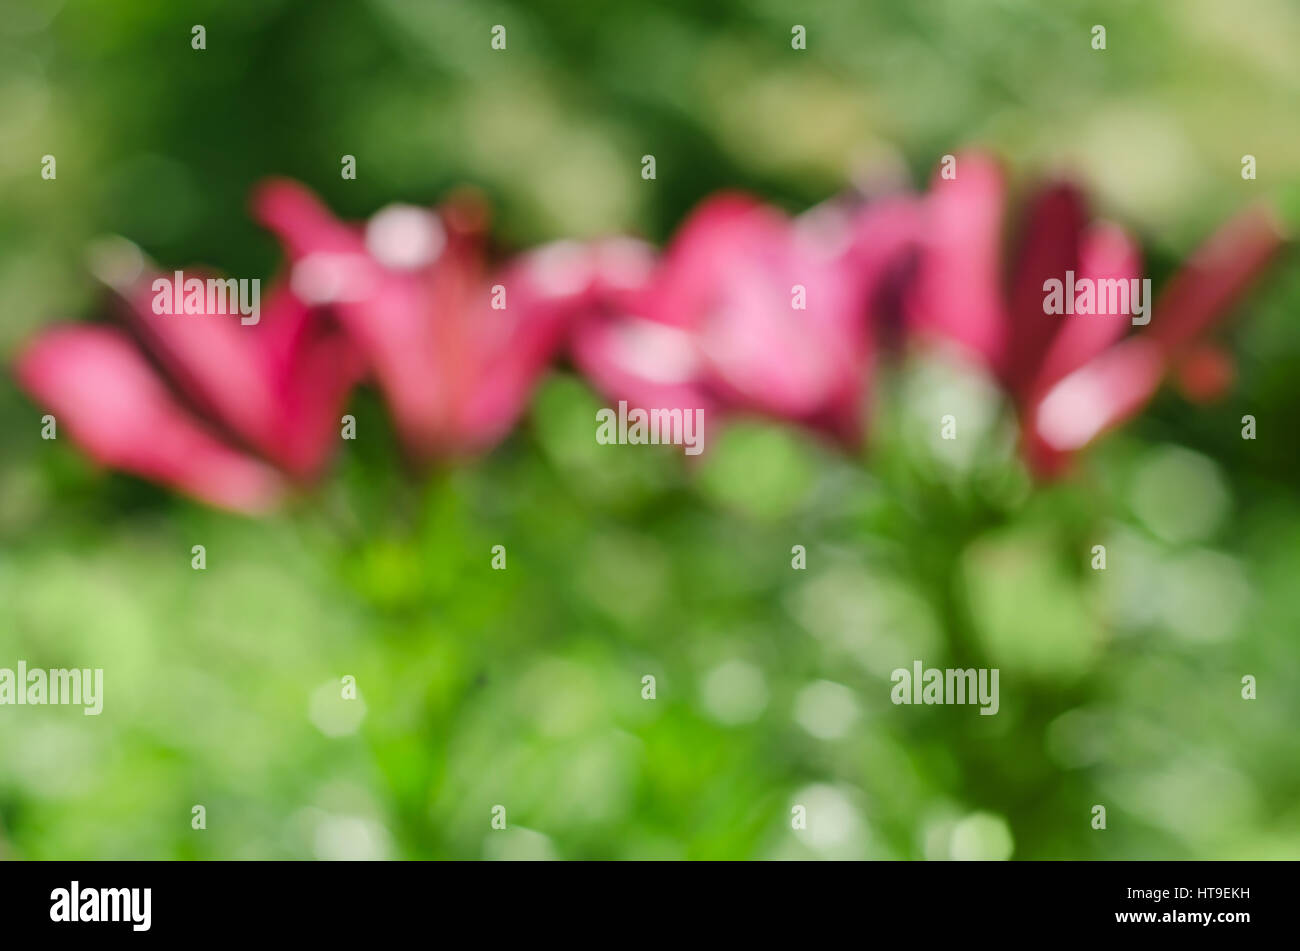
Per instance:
x=751, y=312
x=456, y=350
x=222, y=411
x=1071, y=377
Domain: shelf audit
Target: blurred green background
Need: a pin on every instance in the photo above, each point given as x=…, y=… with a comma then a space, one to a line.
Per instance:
x=523, y=687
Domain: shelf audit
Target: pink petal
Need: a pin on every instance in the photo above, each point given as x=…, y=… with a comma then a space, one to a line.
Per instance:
x=313, y=367
x=210, y=357
x=545, y=292
x=1103, y=393
x=391, y=314
x=770, y=357
x=731, y=277
x=1215, y=276
x=884, y=235
x=726, y=228
x=1048, y=247
x=104, y=393
x=301, y=221
x=649, y=364
x=1107, y=253
x=958, y=291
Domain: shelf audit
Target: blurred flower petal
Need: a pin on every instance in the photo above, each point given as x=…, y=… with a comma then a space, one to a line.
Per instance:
x=1214, y=277
x=958, y=292
x=455, y=349
x=209, y=356
x=1107, y=253
x=752, y=312
x=1103, y=393
x=1048, y=247
x=100, y=388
